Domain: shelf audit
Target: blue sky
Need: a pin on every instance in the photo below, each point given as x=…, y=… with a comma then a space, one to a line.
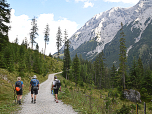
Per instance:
x=68, y=14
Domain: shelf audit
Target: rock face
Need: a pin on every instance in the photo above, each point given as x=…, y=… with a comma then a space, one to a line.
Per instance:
x=132, y=95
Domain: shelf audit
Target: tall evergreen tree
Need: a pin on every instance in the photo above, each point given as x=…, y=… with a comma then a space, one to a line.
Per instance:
x=46, y=36
x=58, y=40
x=37, y=47
x=122, y=56
x=4, y=20
x=100, y=70
x=76, y=69
x=26, y=43
x=113, y=76
x=33, y=32
x=66, y=59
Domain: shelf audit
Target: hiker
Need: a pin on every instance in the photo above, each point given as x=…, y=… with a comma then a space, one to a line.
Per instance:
x=19, y=89
x=56, y=86
x=34, y=87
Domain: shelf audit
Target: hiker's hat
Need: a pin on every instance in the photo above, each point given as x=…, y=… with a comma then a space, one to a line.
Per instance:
x=34, y=76
x=18, y=78
x=55, y=77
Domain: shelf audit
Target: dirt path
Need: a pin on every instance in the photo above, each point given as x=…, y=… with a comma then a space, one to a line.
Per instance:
x=45, y=103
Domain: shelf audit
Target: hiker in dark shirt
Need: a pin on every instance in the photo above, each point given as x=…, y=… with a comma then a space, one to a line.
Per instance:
x=54, y=86
x=34, y=87
x=19, y=89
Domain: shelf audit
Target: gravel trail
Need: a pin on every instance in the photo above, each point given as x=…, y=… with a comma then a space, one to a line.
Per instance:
x=45, y=103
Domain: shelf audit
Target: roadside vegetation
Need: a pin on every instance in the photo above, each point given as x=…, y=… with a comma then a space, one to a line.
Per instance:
x=88, y=100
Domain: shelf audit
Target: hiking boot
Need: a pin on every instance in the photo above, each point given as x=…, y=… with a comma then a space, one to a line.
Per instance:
x=56, y=101
x=34, y=101
x=20, y=101
x=17, y=102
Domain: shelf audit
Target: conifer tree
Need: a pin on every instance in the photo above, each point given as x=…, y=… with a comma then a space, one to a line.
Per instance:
x=100, y=70
x=58, y=41
x=26, y=43
x=113, y=76
x=33, y=32
x=16, y=41
x=122, y=56
x=37, y=47
x=66, y=59
x=76, y=69
x=133, y=75
x=4, y=21
x=46, y=37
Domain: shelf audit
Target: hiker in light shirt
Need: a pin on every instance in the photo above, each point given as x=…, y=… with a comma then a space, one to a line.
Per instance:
x=56, y=86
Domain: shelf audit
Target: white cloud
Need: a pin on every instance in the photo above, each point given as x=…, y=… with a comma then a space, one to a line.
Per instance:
x=125, y=1
x=87, y=4
x=81, y=0
x=21, y=25
x=67, y=0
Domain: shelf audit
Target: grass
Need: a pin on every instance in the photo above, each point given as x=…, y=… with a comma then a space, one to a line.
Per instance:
x=7, y=83
x=87, y=100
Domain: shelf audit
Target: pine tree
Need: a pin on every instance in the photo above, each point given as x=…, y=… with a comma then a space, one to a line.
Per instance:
x=59, y=40
x=133, y=75
x=46, y=37
x=16, y=41
x=33, y=32
x=4, y=21
x=113, y=76
x=26, y=43
x=100, y=70
x=66, y=59
x=122, y=56
x=76, y=69
x=37, y=47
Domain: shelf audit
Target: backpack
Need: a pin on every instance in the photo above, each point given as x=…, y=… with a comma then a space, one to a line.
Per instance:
x=18, y=86
x=57, y=84
x=34, y=85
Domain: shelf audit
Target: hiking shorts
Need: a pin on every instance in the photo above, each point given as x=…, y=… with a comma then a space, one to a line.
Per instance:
x=56, y=91
x=19, y=92
x=34, y=91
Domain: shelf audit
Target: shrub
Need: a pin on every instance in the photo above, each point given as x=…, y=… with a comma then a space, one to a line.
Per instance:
x=71, y=88
x=124, y=110
x=150, y=108
x=21, y=74
x=64, y=81
x=132, y=106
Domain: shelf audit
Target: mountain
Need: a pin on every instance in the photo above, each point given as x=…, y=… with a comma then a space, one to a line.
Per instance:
x=101, y=33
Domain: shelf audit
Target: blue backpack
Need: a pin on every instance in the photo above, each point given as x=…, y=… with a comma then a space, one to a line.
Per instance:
x=34, y=84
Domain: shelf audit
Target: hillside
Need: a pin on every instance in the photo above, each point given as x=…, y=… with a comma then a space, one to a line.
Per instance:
x=14, y=63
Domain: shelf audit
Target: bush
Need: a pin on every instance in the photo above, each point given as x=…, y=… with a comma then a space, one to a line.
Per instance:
x=71, y=88
x=150, y=108
x=64, y=81
x=132, y=106
x=21, y=74
x=124, y=110
x=81, y=84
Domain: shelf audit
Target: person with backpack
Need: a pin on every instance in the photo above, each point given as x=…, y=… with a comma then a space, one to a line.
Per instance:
x=19, y=89
x=56, y=86
x=34, y=87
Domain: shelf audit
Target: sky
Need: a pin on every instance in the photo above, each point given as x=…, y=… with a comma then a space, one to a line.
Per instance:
x=68, y=14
